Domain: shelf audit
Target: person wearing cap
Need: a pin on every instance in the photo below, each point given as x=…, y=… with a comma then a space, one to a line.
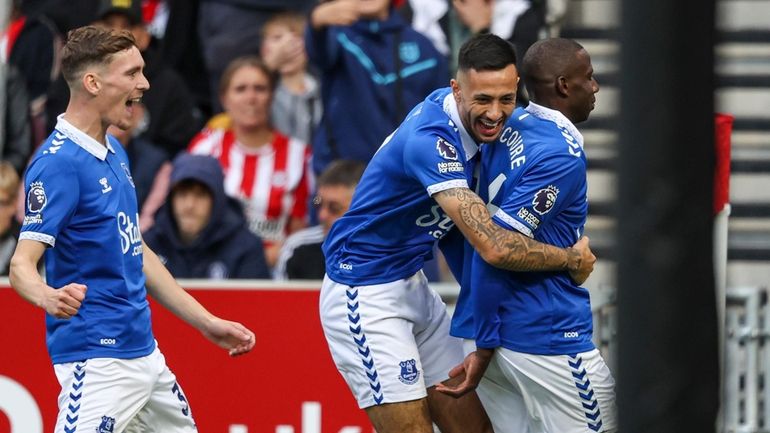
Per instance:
x=202, y=233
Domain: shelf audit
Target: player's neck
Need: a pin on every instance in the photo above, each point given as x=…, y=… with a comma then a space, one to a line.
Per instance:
x=87, y=121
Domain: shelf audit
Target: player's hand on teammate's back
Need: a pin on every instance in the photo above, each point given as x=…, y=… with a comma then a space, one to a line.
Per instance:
x=586, y=263
x=64, y=302
x=465, y=377
x=233, y=336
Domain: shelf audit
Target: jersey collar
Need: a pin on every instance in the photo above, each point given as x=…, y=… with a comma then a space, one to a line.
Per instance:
x=556, y=117
x=81, y=139
x=469, y=145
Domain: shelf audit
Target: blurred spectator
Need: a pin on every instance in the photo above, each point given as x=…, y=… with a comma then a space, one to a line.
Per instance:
x=32, y=45
x=16, y=139
x=9, y=227
x=374, y=68
x=521, y=22
x=296, y=109
x=199, y=233
x=173, y=24
x=266, y=170
x=301, y=256
x=173, y=116
x=150, y=167
x=229, y=29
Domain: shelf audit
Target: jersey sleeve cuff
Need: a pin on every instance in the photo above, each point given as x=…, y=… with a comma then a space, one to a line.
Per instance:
x=40, y=237
x=513, y=223
x=449, y=184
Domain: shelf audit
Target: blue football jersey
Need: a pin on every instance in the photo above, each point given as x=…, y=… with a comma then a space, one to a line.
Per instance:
x=393, y=223
x=534, y=181
x=81, y=202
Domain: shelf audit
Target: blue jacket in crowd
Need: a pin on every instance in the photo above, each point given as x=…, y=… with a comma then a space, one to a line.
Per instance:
x=225, y=248
x=372, y=74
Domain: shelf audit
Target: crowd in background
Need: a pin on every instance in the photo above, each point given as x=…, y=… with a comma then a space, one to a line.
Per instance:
x=260, y=118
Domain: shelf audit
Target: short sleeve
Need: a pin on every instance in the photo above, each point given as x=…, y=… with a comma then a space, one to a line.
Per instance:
x=51, y=198
x=540, y=193
x=436, y=162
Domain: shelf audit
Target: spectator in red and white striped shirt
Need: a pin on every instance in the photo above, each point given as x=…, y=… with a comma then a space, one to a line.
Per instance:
x=266, y=170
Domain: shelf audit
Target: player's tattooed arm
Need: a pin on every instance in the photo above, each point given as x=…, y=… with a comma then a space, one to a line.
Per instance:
x=508, y=249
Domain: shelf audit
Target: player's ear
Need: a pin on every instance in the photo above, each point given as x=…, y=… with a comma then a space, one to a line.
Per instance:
x=561, y=86
x=456, y=91
x=91, y=83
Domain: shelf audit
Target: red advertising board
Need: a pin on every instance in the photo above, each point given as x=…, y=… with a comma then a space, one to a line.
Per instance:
x=288, y=384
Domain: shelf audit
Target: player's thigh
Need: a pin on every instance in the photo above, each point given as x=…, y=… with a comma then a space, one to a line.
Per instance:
x=402, y=417
x=101, y=393
x=370, y=332
x=564, y=394
x=439, y=351
x=167, y=410
x=501, y=399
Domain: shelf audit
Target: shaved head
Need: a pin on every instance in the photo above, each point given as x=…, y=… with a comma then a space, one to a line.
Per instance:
x=559, y=75
x=545, y=61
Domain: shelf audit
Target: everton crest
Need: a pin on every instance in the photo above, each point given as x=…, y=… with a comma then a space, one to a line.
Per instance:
x=107, y=425
x=128, y=174
x=409, y=373
x=545, y=199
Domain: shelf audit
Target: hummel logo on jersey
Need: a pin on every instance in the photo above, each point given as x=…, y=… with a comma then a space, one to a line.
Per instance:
x=105, y=188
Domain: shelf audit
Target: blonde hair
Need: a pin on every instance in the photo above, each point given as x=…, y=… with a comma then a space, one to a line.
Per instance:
x=294, y=21
x=9, y=179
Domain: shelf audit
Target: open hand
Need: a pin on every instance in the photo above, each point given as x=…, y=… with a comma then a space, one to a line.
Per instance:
x=233, y=336
x=465, y=377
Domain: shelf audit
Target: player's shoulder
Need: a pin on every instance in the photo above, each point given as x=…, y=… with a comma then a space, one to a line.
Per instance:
x=544, y=137
x=57, y=149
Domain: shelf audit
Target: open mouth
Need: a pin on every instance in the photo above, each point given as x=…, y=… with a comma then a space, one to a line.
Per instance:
x=132, y=101
x=488, y=128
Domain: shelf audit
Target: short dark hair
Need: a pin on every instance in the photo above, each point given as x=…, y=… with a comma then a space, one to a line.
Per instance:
x=91, y=45
x=486, y=52
x=545, y=60
x=342, y=172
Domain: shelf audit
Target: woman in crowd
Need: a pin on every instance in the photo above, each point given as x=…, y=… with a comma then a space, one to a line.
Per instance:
x=267, y=171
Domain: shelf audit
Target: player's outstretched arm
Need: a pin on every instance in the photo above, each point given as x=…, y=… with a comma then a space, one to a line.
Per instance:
x=162, y=286
x=508, y=249
x=62, y=303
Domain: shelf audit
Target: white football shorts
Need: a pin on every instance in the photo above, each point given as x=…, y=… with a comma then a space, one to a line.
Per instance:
x=121, y=395
x=389, y=341
x=526, y=393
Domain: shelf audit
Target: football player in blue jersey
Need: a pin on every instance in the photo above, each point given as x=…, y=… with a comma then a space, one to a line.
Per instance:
x=81, y=212
x=544, y=375
x=388, y=332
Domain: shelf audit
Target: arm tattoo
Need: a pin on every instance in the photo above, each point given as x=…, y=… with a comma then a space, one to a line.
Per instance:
x=515, y=251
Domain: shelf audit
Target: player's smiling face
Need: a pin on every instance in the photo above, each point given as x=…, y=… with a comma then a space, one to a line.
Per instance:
x=247, y=98
x=485, y=100
x=122, y=84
